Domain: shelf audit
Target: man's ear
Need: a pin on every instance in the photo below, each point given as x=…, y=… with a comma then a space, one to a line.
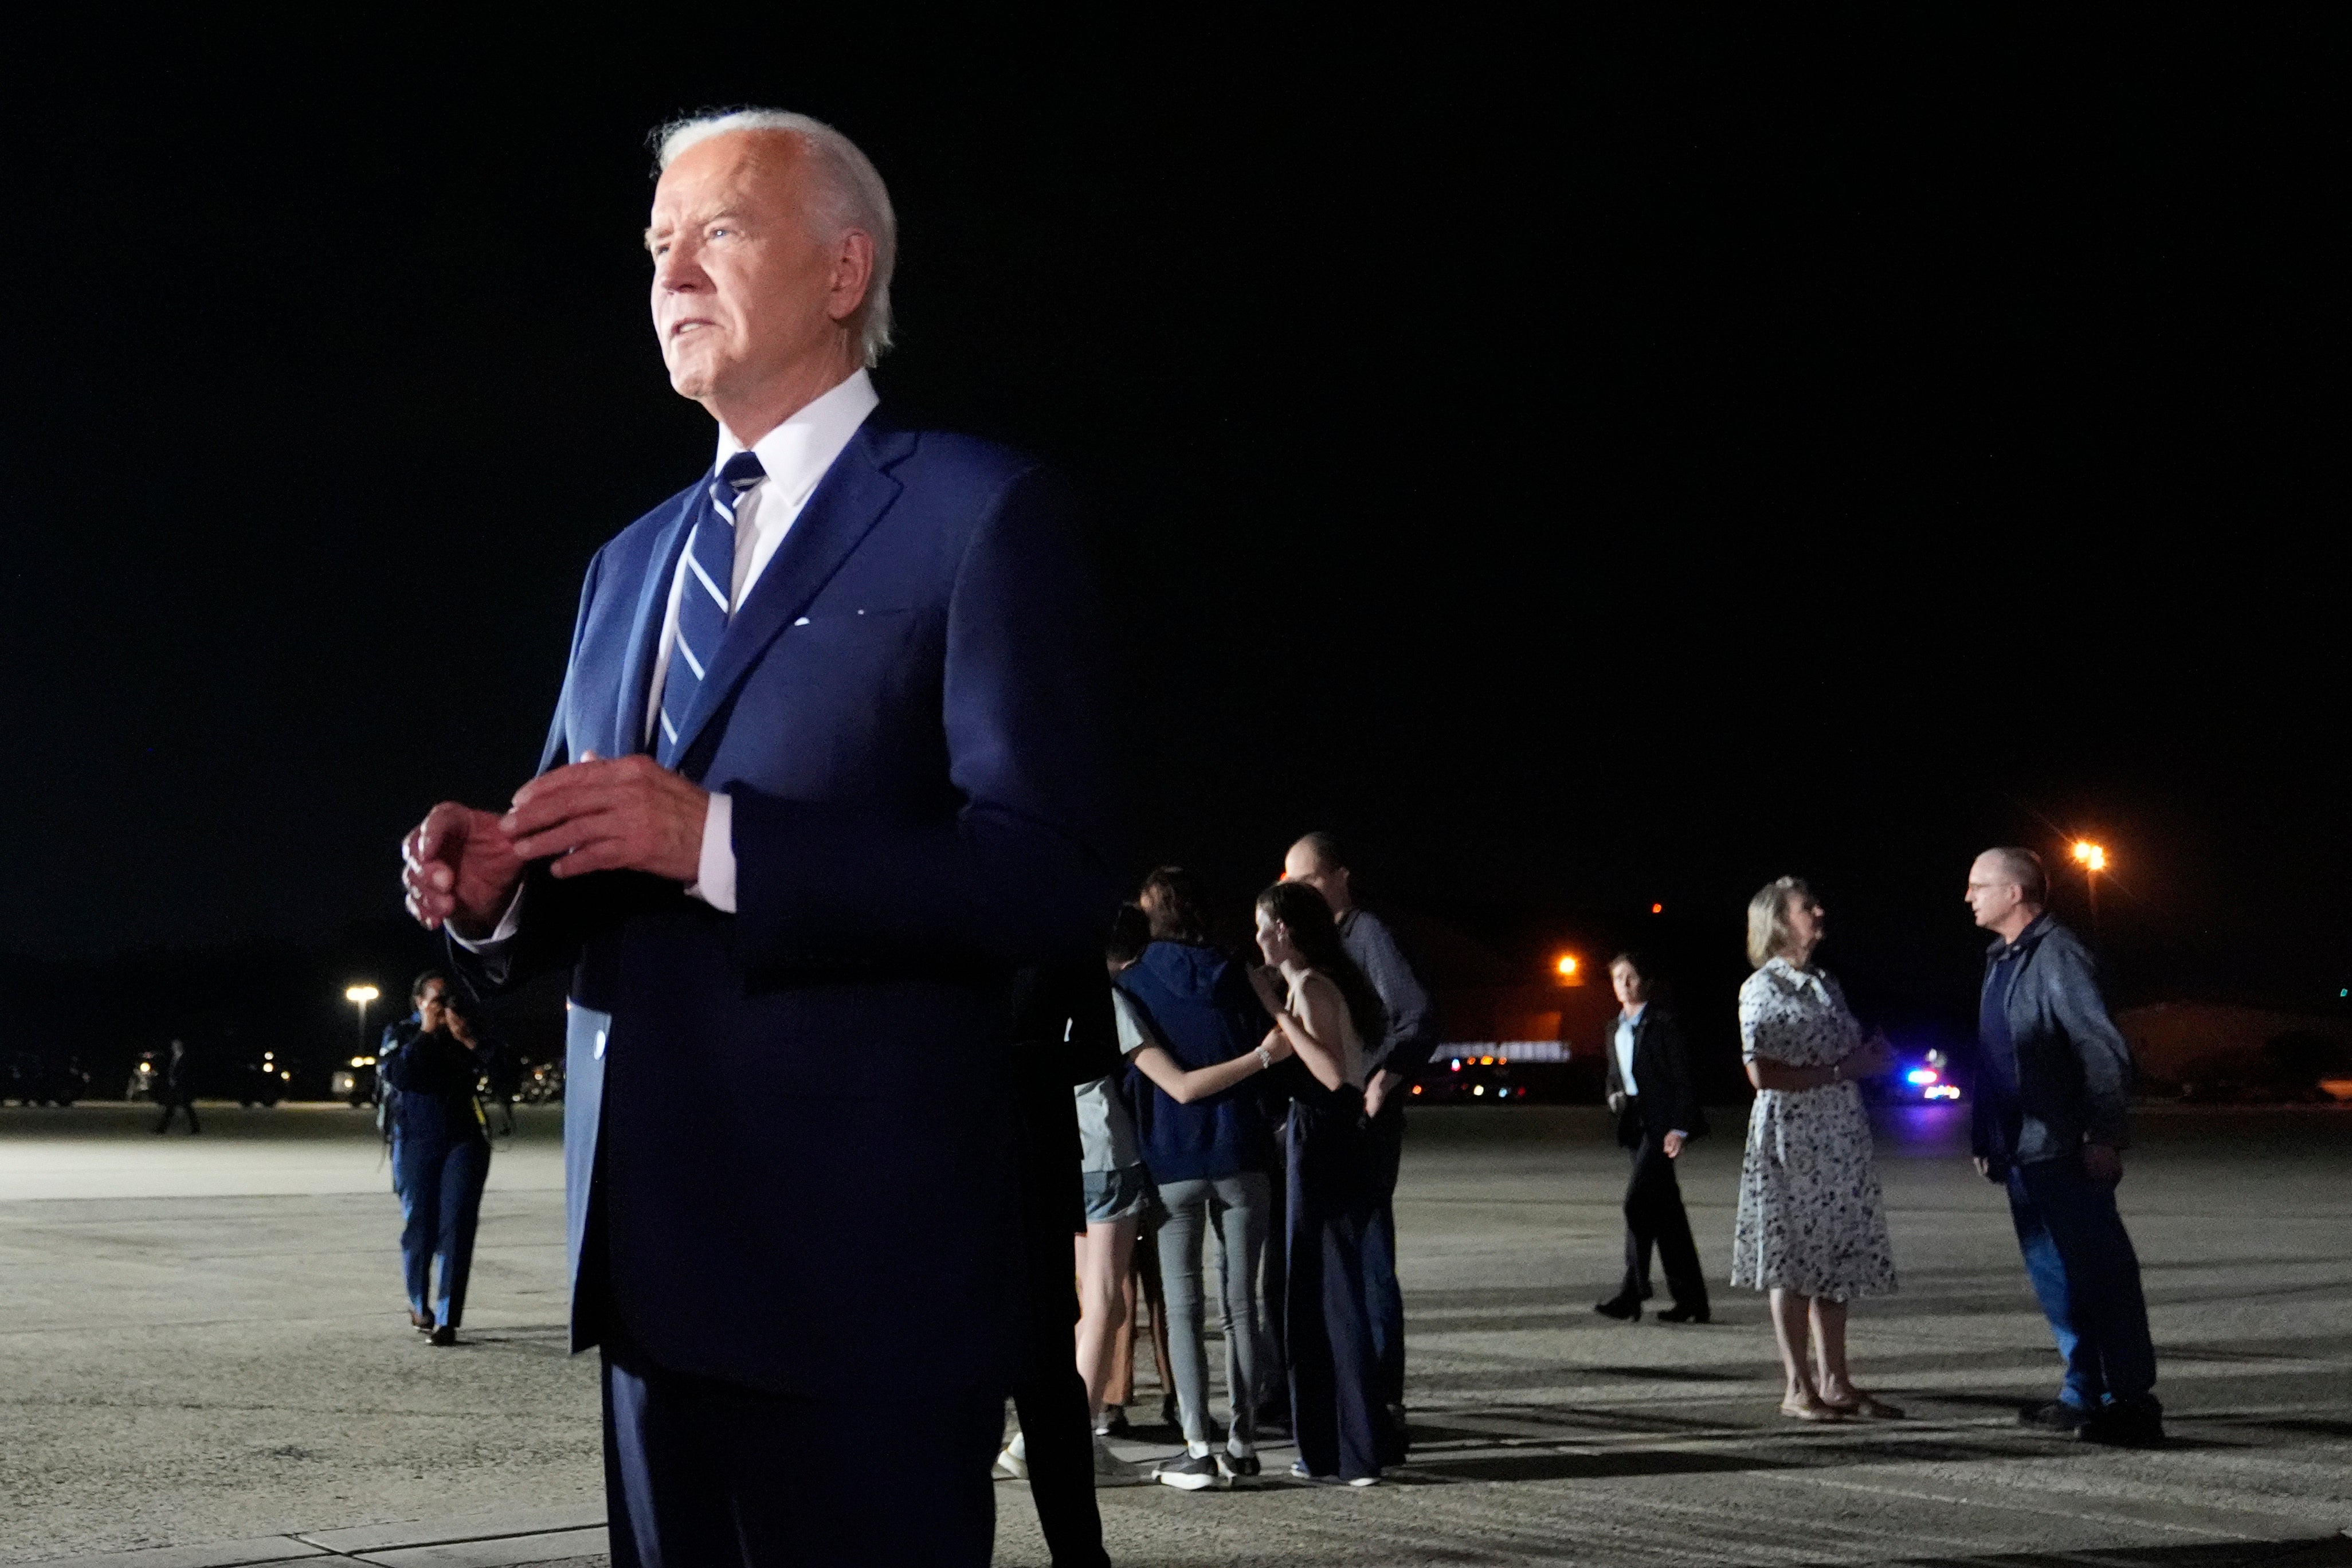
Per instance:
x=853, y=274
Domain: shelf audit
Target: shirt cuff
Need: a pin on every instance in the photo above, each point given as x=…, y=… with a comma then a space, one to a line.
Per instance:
x=1681, y=1134
x=509, y=924
x=714, y=881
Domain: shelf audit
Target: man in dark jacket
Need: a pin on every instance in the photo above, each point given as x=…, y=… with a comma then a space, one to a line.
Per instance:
x=2052, y=1084
x=1655, y=1101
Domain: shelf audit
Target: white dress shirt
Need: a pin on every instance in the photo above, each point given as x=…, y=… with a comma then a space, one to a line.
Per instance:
x=1625, y=1026
x=797, y=455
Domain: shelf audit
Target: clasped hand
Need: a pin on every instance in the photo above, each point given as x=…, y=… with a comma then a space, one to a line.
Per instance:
x=1872, y=1058
x=460, y=866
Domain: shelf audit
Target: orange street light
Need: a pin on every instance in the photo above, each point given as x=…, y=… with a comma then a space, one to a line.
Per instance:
x=1568, y=970
x=2094, y=860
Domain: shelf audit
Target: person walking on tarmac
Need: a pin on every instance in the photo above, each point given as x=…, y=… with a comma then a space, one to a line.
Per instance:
x=175, y=1087
x=440, y=1159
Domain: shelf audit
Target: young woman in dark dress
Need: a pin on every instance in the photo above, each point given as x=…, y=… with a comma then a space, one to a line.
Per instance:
x=1325, y=1008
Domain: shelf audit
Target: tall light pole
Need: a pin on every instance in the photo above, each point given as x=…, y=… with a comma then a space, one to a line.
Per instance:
x=359, y=996
x=2094, y=860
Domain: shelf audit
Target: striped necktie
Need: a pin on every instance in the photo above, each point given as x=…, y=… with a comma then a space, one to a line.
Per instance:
x=703, y=604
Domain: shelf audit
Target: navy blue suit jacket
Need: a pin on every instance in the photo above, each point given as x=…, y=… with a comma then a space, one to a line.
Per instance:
x=787, y=1132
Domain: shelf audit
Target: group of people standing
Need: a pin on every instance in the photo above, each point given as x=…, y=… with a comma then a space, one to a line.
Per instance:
x=1251, y=1106
x=1810, y=1229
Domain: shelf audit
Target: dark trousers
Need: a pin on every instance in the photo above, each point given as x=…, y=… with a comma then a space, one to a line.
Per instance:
x=700, y=1474
x=1273, y=1282
x=1384, y=1152
x=1057, y=1428
x=1058, y=1433
x=2086, y=1274
x=1655, y=1217
x=1336, y=1416
x=440, y=1182
x=163, y=1123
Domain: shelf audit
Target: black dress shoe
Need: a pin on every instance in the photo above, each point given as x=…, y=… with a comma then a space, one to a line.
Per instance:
x=2058, y=1415
x=1678, y=1313
x=2126, y=1423
x=1625, y=1309
x=445, y=1335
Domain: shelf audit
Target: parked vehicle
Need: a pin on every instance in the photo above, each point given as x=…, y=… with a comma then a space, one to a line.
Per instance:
x=32, y=1077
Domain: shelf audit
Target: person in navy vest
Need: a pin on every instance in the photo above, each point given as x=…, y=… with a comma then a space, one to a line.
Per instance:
x=440, y=1159
x=1195, y=1034
x=2049, y=1123
x=822, y=777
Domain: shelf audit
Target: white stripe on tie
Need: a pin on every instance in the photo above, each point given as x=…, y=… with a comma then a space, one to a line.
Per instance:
x=670, y=728
x=707, y=582
x=687, y=653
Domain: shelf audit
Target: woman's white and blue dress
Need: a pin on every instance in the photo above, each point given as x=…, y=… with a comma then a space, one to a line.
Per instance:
x=1810, y=1218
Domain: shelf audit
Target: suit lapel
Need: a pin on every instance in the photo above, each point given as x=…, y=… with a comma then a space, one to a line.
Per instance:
x=847, y=503
x=644, y=629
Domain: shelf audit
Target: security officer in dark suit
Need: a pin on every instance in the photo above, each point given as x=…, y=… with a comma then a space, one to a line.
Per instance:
x=1655, y=1099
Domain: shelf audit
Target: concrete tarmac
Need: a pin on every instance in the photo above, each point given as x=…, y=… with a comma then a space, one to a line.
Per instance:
x=203, y=1347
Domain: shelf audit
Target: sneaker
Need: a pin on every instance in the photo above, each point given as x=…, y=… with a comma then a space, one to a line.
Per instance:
x=1238, y=1469
x=1112, y=1421
x=1110, y=1470
x=1299, y=1472
x=1364, y=1482
x=2061, y=1415
x=1013, y=1464
x=1190, y=1473
x=2124, y=1423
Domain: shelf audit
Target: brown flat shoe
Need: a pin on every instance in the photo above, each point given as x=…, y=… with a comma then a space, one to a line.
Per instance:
x=1869, y=1409
x=1818, y=1410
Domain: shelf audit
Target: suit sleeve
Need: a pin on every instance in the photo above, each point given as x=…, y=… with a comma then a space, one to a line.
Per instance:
x=1675, y=1051
x=546, y=913
x=1412, y=1024
x=2100, y=1047
x=1016, y=871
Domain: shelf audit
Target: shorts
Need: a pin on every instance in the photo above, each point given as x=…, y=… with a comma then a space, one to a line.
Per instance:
x=1123, y=1194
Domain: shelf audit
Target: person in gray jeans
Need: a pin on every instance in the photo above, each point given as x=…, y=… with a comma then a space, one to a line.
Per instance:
x=1194, y=1031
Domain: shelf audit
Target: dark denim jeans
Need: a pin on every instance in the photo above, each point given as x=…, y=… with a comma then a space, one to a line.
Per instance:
x=2086, y=1274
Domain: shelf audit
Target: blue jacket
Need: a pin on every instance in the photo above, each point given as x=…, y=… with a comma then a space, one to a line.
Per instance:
x=1203, y=1011
x=2066, y=1075
x=788, y=1128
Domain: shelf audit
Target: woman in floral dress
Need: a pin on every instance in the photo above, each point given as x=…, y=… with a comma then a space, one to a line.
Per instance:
x=1812, y=1228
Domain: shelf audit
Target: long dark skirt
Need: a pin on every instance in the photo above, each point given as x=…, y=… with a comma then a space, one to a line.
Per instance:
x=1336, y=1416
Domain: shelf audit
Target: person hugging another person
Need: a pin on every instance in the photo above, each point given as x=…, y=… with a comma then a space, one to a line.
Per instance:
x=1325, y=1009
x=1194, y=1035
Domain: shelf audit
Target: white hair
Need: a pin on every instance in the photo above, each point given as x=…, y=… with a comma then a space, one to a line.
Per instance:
x=851, y=193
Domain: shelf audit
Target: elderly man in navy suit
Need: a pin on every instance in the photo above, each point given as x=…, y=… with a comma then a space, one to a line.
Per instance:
x=821, y=778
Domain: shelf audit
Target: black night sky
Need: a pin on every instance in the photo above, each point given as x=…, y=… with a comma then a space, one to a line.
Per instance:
x=1590, y=471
